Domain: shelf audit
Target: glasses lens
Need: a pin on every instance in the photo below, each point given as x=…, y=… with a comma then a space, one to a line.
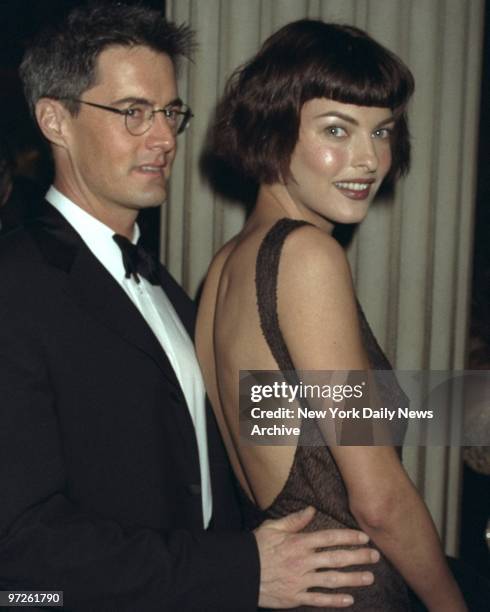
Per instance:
x=138, y=118
x=184, y=118
x=177, y=117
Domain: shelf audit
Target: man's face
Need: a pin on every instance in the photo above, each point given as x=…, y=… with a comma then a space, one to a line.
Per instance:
x=110, y=169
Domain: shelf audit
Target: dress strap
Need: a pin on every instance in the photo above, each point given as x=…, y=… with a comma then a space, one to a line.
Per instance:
x=266, y=275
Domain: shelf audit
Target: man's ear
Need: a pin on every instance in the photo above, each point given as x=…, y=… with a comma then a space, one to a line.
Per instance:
x=52, y=117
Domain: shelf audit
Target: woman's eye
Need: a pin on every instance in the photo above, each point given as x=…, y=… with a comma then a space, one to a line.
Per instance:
x=382, y=133
x=336, y=131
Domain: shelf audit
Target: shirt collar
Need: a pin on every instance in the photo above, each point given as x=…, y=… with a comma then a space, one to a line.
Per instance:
x=96, y=235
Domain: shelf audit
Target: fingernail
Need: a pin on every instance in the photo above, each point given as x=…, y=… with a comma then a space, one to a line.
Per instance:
x=363, y=538
x=347, y=599
x=368, y=578
x=375, y=556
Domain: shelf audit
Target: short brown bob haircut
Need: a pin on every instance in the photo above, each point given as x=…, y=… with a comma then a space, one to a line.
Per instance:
x=257, y=121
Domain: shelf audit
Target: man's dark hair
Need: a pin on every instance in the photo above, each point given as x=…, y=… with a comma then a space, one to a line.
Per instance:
x=61, y=62
x=258, y=118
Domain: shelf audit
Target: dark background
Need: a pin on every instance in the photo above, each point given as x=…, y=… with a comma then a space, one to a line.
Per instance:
x=21, y=19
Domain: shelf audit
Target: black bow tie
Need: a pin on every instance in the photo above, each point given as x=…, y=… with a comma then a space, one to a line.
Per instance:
x=137, y=261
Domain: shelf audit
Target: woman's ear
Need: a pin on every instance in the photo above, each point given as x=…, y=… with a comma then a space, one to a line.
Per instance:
x=51, y=118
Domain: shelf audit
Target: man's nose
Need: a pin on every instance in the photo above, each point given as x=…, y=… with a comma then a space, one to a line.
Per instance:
x=161, y=134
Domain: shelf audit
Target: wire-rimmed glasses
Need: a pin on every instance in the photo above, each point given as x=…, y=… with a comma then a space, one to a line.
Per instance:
x=139, y=116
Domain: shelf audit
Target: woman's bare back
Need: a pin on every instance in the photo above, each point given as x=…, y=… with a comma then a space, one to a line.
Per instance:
x=237, y=343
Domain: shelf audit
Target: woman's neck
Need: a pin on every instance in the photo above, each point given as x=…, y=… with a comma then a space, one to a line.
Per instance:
x=274, y=202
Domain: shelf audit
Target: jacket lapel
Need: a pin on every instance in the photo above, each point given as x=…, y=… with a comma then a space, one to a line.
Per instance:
x=91, y=285
x=96, y=291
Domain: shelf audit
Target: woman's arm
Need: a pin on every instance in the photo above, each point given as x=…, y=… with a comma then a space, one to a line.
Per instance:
x=322, y=333
x=389, y=509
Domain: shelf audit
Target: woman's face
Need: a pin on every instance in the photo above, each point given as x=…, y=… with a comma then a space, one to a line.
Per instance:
x=342, y=155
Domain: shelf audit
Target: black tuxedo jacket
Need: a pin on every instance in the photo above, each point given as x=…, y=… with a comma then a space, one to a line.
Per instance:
x=99, y=475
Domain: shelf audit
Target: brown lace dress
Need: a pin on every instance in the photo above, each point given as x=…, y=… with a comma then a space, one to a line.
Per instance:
x=314, y=478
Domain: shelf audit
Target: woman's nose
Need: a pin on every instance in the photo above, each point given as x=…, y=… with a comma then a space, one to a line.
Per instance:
x=365, y=154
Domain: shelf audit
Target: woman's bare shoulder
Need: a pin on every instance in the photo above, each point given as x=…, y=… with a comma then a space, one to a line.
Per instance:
x=311, y=255
x=321, y=331
x=220, y=258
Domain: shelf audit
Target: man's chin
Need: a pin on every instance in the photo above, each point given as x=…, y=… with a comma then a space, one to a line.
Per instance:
x=154, y=203
x=153, y=200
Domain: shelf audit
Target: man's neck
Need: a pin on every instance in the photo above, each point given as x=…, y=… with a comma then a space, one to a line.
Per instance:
x=121, y=221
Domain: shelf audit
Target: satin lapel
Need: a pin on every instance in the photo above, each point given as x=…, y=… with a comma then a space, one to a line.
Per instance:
x=96, y=291
x=91, y=285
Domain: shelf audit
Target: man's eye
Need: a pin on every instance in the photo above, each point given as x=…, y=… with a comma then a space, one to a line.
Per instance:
x=136, y=112
x=172, y=113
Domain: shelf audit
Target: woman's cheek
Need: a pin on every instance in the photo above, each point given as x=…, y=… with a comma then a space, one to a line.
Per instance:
x=384, y=163
x=332, y=160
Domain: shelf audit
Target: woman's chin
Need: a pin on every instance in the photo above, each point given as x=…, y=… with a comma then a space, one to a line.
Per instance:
x=350, y=217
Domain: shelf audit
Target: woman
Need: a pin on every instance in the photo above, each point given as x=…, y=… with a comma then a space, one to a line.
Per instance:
x=317, y=119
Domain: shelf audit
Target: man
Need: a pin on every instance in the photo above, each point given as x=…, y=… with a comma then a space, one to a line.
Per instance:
x=108, y=490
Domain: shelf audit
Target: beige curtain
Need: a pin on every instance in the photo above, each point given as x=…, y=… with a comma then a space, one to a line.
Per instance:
x=412, y=256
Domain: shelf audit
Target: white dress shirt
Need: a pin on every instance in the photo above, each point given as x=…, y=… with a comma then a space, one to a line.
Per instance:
x=158, y=312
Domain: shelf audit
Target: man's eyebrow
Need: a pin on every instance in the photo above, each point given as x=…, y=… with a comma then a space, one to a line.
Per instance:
x=130, y=100
x=175, y=102
x=135, y=100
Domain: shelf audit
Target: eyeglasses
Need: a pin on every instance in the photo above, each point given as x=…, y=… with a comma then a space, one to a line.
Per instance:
x=139, y=117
